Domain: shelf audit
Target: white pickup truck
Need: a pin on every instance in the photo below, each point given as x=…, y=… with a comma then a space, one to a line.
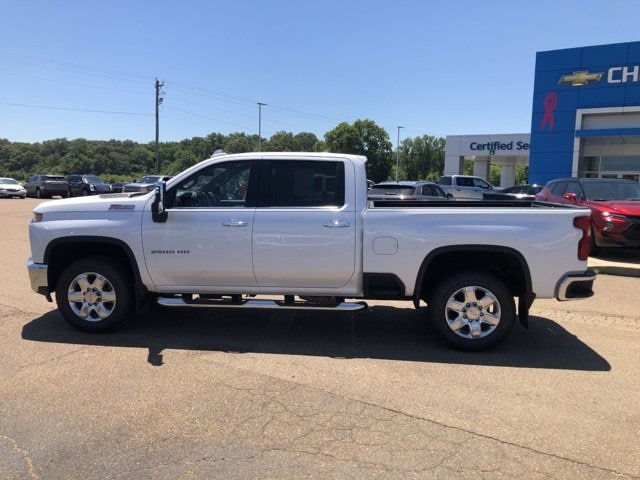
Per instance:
x=465, y=187
x=295, y=231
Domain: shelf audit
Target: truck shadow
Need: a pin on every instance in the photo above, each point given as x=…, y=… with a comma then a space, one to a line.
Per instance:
x=387, y=333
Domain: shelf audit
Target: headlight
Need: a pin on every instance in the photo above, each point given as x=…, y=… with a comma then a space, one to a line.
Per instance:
x=37, y=217
x=614, y=216
x=613, y=221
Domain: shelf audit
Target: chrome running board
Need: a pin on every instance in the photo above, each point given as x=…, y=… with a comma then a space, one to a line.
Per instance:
x=236, y=302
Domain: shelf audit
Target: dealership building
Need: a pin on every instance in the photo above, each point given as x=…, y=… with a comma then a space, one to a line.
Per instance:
x=585, y=120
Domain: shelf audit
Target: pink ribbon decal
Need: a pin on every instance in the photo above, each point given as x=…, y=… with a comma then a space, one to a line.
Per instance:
x=550, y=103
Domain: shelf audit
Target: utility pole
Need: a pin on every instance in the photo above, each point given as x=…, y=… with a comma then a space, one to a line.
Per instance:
x=260, y=105
x=159, y=85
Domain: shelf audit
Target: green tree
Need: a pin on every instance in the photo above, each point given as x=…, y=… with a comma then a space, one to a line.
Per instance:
x=522, y=174
x=364, y=137
x=240, y=142
x=306, y=141
x=494, y=174
x=281, y=142
x=422, y=157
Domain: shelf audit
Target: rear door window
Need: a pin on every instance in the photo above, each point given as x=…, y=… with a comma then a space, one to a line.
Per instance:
x=305, y=184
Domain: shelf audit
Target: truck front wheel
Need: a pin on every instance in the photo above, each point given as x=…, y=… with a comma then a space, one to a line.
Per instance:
x=472, y=310
x=92, y=294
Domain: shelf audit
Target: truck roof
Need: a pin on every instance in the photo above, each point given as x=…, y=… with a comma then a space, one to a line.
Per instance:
x=358, y=159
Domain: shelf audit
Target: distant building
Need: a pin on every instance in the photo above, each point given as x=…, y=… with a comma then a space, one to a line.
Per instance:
x=586, y=113
x=506, y=150
x=585, y=120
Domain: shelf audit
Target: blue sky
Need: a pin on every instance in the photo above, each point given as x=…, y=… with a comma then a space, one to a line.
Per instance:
x=83, y=69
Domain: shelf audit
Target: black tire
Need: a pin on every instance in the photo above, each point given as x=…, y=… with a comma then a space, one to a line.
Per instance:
x=472, y=310
x=94, y=295
x=38, y=193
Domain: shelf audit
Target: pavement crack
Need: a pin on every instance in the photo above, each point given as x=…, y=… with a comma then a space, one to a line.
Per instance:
x=43, y=362
x=411, y=416
x=23, y=453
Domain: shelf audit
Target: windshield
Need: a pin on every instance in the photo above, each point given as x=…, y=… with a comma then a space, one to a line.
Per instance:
x=8, y=180
x=149, y=179
x=93, y=179
x=612, y=190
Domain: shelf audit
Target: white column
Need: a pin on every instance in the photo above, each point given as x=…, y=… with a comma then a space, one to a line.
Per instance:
x=507, y=175
x=481, y=168
x=453, y=165
x=452, y=158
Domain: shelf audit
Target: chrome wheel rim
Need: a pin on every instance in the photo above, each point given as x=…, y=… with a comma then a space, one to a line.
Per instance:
x=91, y=297
x=473, y=312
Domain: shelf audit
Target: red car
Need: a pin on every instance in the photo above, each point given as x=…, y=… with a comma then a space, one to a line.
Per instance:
x=614, y=204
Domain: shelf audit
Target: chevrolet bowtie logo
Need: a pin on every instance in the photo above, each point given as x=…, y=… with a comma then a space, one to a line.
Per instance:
x=578, y=79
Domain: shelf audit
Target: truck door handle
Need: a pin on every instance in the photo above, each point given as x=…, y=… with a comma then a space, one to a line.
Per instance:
x=337, y=224
x=234, y=223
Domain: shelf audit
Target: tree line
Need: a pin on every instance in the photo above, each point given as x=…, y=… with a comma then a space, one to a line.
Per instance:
x=419, y=158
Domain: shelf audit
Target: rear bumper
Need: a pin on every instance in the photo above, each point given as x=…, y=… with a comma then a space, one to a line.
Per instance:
x=57, y=190
x=576, y=286
x=38, y=275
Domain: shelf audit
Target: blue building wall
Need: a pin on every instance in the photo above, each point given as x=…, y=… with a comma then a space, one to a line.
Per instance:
x=553, y=122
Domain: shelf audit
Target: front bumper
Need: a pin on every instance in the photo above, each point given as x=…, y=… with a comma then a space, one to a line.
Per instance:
x=576, y=286
x=38, y=275
x=13, y=193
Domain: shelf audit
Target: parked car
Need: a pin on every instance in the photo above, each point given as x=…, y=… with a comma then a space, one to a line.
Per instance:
x=145, y=184
x=614, y=204
x=82, y=185
x=11, y=188
x=116, y=187
x=517, y=192
x=41, y=186
x=407, y=190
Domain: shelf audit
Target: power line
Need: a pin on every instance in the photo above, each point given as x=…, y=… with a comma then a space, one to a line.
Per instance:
x=244, y=127
x=51, y=107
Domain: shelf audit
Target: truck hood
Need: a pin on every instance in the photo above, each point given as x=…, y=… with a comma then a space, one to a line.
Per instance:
x=630, y=208
x=97, y=203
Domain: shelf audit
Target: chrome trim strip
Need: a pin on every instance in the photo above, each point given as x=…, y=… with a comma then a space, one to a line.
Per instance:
x=261, y=304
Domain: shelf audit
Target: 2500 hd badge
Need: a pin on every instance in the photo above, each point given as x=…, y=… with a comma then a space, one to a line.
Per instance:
x=170, y=252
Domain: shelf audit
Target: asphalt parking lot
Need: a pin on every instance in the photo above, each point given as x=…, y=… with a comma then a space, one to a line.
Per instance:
x=239, y=395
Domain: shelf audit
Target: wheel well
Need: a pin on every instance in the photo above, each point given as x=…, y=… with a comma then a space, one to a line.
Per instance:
x=506, y=264
x=60, y=255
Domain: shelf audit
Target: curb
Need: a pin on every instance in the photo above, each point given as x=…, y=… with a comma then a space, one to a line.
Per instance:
x=607, y=267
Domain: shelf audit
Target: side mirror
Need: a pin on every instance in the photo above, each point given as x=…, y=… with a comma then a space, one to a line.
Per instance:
x=572, y=197
x=158, y=212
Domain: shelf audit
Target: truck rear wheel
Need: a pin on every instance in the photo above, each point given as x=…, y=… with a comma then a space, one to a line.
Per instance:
x=472, y=310
x=93, y=295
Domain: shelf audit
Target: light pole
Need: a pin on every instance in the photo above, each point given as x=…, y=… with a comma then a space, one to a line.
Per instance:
x=260, y=105
x=398, y=152
x=159, y=85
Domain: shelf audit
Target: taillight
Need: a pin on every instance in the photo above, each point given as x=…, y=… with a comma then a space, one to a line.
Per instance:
x=584, y=245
